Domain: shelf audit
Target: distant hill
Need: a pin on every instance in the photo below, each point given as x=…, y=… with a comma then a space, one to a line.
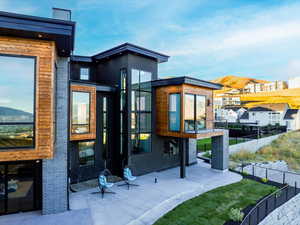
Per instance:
x=6, y=111
x=232, y=81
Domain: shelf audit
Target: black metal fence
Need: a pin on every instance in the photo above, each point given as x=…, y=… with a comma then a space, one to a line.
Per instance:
x=264, y=207
x=276, y=175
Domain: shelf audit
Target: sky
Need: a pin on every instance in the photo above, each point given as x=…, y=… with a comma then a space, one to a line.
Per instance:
x=206, y=39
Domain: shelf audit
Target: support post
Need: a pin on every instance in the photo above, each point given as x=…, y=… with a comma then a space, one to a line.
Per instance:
x=182, y=158
x=220, y=152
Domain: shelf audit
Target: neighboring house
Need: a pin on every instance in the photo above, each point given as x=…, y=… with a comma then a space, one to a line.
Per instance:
x=265, y=114
x=265, y=87
x=229, y=114
x=64, y=118
x=294, y=82
x=292, y=119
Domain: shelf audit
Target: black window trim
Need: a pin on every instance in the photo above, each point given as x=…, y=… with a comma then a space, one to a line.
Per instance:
x=136, y=112
x=34, y=105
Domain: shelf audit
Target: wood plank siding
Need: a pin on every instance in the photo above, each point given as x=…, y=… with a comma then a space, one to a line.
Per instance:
x=45, y=54
x=92, y=134
x=162, y=107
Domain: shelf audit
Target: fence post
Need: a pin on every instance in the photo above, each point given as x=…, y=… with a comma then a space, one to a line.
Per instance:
x=257, y=213
x=253, y=170
x=283, y=182
x=266, y=173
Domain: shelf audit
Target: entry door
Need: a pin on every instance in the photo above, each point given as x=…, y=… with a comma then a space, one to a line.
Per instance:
x=20, y=187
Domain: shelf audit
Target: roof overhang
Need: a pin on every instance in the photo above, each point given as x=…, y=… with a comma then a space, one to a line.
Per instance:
x=186, y=80
x=127, y=47
x=60, y=31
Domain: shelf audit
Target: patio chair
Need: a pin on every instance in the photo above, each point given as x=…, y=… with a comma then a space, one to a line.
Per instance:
x=104, y=186
x=128, y=178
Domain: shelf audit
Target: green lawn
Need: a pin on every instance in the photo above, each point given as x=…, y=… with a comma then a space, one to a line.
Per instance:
x=212, y=208
x=286, y=147
x=205, y=143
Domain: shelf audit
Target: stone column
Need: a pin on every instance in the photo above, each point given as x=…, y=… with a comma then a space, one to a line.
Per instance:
x=192, y=151
x=220, y=152
x=55, y=171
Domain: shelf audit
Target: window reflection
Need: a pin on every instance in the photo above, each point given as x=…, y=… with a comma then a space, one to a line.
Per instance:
x=86, y=153
x=194, y=113
x=174, y=112
x=80, y=112
x=17, y=79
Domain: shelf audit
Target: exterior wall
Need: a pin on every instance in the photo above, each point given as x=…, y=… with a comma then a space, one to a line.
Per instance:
x=44, y=51
x=287, y=214
x=55, y=175
x=294, y=82
x=252, y=146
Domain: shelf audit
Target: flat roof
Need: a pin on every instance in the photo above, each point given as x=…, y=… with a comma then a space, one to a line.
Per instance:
x=186, y=80
x=127, y=47
x=60, y=31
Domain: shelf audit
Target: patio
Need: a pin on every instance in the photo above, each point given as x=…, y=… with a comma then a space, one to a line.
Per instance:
x=141, y=205
x=148, y=202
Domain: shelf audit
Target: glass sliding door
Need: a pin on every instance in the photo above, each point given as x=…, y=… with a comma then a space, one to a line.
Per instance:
x=20, y=187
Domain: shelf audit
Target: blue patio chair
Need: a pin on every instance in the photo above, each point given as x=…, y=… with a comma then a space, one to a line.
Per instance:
x=128, y=178
x=104, y=186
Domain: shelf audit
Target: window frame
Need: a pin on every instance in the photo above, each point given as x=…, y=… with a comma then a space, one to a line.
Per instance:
x=34, y=105
x=89, y=74
x=180, y=111
x=90, y=105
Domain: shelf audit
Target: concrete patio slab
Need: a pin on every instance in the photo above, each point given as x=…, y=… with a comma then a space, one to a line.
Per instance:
x=141, y=205
x=146, y=203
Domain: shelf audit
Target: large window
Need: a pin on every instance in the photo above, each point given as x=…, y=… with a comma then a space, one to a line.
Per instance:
x=86, y=153
x=80, y=112
x=141, y=111
x=174, y=112
x=194, y=112
x=17, y=104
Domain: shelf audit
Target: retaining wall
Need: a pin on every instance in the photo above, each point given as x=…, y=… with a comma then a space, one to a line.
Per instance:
x=287, y=214
x=254, y=145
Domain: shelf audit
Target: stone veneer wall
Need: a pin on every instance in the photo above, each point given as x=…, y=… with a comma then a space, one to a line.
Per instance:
x=55, y=172
x=287, y=214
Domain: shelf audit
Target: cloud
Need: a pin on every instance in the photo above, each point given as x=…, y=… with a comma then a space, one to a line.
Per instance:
x=22, y=7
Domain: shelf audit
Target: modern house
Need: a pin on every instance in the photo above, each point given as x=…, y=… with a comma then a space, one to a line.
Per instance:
x=292, y=119
x=64, y=117
x=265, y=114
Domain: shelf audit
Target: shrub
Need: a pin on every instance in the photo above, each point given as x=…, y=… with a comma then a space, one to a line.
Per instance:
x=264, y=180
x=236, y=215
x=244, y=173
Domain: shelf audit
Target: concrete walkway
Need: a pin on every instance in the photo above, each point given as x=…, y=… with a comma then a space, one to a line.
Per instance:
x=141, y=205
x=148, y=202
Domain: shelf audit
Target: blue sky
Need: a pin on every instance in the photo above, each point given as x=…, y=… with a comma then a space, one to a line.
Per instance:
x=204, y=38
